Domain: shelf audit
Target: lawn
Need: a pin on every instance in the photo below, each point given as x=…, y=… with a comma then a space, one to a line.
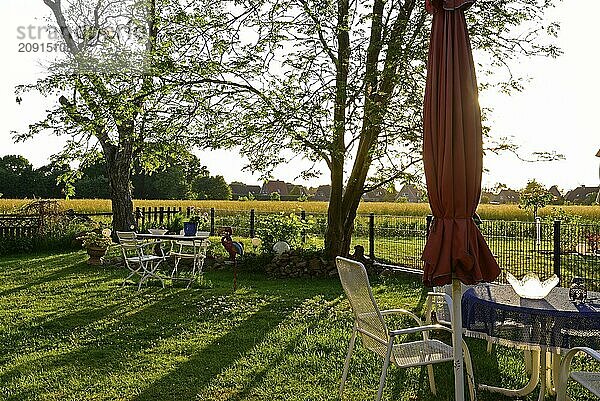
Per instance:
x=69, y=331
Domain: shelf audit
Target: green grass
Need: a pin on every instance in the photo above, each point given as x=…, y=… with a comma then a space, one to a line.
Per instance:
x=69, y=331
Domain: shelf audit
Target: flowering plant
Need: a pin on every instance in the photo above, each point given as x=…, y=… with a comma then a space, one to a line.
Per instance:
x=198, y=218
x=593, y=241
x=100, y=239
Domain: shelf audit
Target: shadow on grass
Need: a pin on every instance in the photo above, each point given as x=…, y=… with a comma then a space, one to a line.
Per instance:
x=190, y=377
x=49, y=271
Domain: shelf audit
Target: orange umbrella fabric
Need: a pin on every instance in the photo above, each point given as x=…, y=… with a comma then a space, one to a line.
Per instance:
x=453, y=153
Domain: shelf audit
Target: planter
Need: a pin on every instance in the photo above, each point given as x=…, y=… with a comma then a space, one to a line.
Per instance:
x=96, y=254
x=189, y=229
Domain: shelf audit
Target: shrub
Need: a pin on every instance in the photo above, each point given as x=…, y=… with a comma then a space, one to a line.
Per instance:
x=281, y=227
x=176, y=223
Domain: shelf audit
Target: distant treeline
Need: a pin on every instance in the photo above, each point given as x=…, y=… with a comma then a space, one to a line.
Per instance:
x=180, y=178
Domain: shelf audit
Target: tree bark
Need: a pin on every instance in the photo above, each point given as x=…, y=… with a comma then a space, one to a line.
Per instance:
x=118, y=166
x=335, y=218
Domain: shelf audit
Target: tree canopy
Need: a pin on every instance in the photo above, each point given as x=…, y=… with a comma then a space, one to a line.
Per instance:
x=339, y=82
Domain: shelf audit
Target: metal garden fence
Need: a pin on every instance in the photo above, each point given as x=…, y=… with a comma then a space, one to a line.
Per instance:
x=542, y=247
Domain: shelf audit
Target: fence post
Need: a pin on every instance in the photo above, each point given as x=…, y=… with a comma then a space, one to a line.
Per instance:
x=252, y=217
x=556, y=237
x=303, y=218
x=188, y=211
x=372, y=236
x=143, y=219
x=429, y=220
x=212, y=221
x=137, y=217
x=161, y=215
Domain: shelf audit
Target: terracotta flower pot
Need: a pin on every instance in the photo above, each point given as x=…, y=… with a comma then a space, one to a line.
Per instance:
x=96, y=254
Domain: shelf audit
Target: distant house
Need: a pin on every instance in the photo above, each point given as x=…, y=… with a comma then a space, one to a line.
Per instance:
x=582, y=195
x=487, y=197
x=296, y=190
x=379, y=195
x=239, y=189
x=277, y=186
x=507, y=196
x=409, y=193
x=323, y=193
x=555, y=192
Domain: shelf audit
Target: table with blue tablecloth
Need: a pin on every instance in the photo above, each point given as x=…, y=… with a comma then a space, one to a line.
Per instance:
x=553, y=324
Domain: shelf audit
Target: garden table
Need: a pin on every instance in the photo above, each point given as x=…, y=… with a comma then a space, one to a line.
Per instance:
x=173, y=237
x=550, y=325
x=177, y=238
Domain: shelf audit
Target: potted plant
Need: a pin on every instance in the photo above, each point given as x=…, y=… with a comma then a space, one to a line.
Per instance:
x=176, y=223
x=96, y=244
x=196, y=219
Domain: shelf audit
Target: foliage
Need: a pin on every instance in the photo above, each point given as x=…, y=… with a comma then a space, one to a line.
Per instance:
x=132, y=95
x=155, y=224
x=272, y=228
x=171, y=180
x=198, y=217
x=96, y=238
x=18, y=178
x=208, y=187
x=535, y=196
x=53, y=229
x=347, y=90
x=275, y=196
x=176, y=223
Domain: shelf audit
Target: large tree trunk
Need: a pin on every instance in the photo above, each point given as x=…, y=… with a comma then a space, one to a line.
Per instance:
x=379, y=85
x=118, y=165
x=335, y=216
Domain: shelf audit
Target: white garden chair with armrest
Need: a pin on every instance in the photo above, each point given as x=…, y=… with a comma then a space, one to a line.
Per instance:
x=370, y=325
x=138, y=259
x=194, y=250
x=589, y=380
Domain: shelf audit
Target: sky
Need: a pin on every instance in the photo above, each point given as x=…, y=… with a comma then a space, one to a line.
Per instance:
x=558, y=110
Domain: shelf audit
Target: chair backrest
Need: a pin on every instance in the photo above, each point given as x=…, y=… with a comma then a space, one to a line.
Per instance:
x=355, y=282
x=128, y=240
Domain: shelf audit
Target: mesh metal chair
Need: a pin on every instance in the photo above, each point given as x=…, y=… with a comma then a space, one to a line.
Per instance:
x=589, y=380
x=195, y=251
x=136, y=258
x=369, y=323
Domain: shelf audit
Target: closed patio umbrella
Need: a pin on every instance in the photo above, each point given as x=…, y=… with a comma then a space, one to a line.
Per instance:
x=453, y=157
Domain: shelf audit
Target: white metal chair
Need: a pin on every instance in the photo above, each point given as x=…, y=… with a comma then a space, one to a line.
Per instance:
x=370, y=325
x=589, y=380
x=194, y=250
x=136, y=258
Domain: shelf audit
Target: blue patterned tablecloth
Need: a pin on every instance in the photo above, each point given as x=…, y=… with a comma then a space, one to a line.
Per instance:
x=497, y=313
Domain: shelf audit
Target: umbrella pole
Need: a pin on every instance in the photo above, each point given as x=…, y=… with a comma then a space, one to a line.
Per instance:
x=459, y=383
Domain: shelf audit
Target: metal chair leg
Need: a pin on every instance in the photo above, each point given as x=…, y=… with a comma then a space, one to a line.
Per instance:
x=347, y=363
x=431, y=379
x=386, y=363
x=470, y=375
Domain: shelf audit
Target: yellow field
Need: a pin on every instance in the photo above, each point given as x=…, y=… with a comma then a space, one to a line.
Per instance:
x=488, y=212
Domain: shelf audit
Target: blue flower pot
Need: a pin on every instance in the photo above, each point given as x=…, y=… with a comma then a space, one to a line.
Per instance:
x=189, y=229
